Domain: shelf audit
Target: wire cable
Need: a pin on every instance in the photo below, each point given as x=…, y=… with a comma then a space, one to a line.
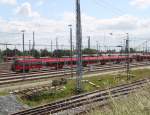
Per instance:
x=107, y=5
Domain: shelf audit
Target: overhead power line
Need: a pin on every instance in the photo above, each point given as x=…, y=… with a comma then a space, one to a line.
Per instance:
x=108, y=2
x=109, y=6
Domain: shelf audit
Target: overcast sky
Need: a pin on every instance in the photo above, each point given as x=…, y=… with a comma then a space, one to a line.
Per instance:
x=50, y=19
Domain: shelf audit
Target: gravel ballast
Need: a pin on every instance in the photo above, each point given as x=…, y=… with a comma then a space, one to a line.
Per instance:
x=9, y=104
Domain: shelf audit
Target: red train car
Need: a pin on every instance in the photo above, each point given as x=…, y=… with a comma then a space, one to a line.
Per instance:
x=58, y=63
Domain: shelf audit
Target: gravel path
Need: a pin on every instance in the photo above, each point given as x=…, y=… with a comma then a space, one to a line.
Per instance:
x=9, y=104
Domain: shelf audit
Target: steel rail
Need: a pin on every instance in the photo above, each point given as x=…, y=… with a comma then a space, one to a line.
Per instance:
x=16, y=79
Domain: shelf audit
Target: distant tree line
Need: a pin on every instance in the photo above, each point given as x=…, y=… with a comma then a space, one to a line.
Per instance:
x=131, y=51
x=56, y=53
x=44, y=53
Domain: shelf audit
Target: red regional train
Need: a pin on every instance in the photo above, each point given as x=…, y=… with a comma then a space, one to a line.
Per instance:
x=58, y=63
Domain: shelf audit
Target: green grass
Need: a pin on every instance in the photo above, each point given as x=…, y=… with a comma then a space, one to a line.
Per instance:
x=3, y=93
x=103, y=81
x=47, y=97
x=134, y=104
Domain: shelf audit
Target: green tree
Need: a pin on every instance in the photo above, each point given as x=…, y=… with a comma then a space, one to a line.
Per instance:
x=35, y=53
x=17, y=52
x=60, y=53
x=8, y=52
x=66, y=52
x=132, y=50
x=44, y=53
x=89, y=51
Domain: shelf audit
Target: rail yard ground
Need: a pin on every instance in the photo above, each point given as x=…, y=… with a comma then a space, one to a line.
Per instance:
x=108, y=69
x=92, y=82
x=100, y=81
x=135, y=104
x=82, y=103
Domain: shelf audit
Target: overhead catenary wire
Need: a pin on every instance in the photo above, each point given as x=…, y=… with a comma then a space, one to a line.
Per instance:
x=107, y=5
x=117, y=9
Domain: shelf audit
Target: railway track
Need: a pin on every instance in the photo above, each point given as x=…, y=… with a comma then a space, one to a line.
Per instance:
x=5, y=67
x=8, y=74
x=46, y=75
x=83, y=101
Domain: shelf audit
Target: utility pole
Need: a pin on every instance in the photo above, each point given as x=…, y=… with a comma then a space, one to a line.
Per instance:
x=73, y=48
x=57, y=44
x=33, y=47
x=51, y=46
x=79, y=86
x=89, y=42
x=6, y=50
x=97, y=47
x=15, y=51
x=128, y=56
x=100, y=48
x=70, y=26
x=146, y=48
x=23, y=49
x=29, y=47
x=57, y=53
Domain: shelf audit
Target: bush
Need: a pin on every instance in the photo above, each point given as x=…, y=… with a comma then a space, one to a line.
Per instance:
x=60, y=82
x=55, y=83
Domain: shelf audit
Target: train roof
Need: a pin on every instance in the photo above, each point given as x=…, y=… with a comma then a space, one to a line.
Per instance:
x=69, y=59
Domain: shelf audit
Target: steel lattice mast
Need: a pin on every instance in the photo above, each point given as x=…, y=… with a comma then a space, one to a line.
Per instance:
x=79, y=86
x=89, y=42
x=71, y=51
x=128, y=56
